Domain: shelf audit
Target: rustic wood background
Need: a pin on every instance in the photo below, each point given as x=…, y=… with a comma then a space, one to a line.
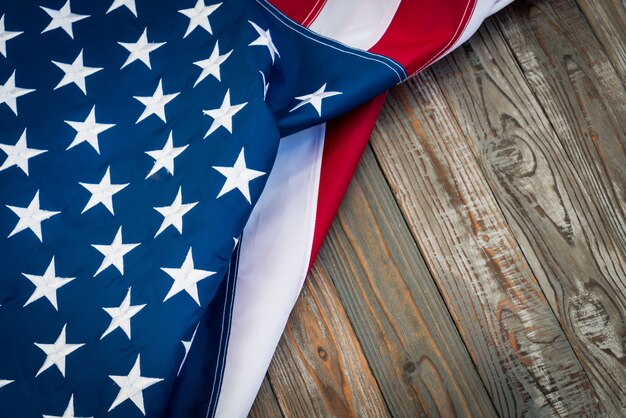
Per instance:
x=478, y=264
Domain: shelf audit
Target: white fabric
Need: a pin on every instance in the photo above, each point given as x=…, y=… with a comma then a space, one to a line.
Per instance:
x=358, y=23
x=275, y=252
x=277, y=241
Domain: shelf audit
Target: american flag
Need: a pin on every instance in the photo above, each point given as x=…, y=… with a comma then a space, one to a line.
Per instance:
x=136, y=137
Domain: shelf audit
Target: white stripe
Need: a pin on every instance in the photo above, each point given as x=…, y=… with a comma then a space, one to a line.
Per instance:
x=275, y=252
x=359, y=23
x=391, y=64
x=277, y=242
x=278, y=238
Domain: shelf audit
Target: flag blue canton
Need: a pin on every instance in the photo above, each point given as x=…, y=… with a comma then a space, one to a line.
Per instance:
x=136, y=137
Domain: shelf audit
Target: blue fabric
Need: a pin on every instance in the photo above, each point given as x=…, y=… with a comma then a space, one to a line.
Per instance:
x=197, y=387
x=56, y=179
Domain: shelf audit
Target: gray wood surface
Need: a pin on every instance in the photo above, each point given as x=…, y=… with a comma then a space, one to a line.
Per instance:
x=607, y=18
x=406, y=332
x=266, y=404
x=519, y=348
x=558, y=194
x=320, y=358
x=477, y=266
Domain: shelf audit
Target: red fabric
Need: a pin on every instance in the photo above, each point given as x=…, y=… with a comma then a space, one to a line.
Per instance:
x=302, y=11
x=346, y=138
x=420, y=33
x=423, y=30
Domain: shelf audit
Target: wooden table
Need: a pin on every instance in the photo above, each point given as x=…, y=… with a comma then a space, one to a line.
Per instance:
x=478, y=264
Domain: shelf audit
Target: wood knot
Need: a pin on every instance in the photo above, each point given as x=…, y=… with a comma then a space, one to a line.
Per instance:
x=596, y=316
x=589, y=315
x=322, y=353
x=409, y=367
x=511, y=157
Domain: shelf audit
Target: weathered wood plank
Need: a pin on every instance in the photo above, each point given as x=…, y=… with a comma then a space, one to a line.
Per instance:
x=581, y=94
x=538, y=189
x=265, y=405
x=513, y=336
x=564, y=190
x=318, y=369
x=398, y=315
x=608, y=20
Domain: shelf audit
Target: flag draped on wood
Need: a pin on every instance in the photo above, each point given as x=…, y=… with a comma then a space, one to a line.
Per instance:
x=139, y=139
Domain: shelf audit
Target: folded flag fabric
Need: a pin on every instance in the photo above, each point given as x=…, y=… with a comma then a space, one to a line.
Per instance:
x=137, y=138
x=311, y=174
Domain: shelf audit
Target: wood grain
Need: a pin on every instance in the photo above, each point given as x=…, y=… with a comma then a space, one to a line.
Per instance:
x=536, y=186
x=564, y=192
x=477, y=266
x=581, y=95
x=513, y=336
x=265, y=405
x=398, y=315
x=608, y=21
x=318, y=369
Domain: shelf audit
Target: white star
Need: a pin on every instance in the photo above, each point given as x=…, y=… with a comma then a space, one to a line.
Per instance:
x=5, y=35
x=315, y=99
x=130, y=5
x=223, y=116
x=141, y=49
x=19, y=154
x=9, y=93
x=88, y=130
x=186, y=278
x=114, y=253
x=4, y=382
x=75, y=73
x=187, y=347
x=132, y=386
x=199, y=16
x=62, y=18
x=212, y=64
x=102, y=192
x=238, y=177
x=56, y=353
x=164, y=158
x=155, y=104
x=69, y=411
x=47, y=285
x=120, y=316
x=264, y=39
x=31, y=217
x=173, y=214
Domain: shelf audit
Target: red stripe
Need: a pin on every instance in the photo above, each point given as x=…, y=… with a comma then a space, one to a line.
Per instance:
x=420, y=32
x=315, y=11
x=346, y=138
